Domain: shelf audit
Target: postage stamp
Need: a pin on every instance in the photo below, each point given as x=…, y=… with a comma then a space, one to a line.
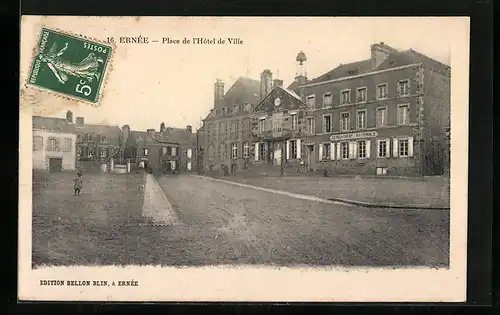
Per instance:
x=68, y=65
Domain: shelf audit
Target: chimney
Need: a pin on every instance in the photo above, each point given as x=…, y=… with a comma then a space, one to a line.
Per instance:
x=189, y=129
x=266, y=83
x=125, y=133
x=151, y=133
x=79, y=121
x=379, y=53
x=218, y=92
x=278, y=82
x=162, y=127
x=69, y=116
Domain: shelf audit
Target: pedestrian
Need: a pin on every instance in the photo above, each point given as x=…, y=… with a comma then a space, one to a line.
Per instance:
x=78, y=183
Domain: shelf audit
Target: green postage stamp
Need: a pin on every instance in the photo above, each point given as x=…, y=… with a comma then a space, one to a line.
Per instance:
x=69, y=65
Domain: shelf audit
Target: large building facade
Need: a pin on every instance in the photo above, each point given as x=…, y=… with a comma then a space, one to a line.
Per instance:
x=386, y=115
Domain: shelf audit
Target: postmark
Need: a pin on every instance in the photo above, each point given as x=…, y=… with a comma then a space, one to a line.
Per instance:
x=71, y=66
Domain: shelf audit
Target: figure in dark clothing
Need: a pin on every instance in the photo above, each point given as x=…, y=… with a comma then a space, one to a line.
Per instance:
x=78, y=183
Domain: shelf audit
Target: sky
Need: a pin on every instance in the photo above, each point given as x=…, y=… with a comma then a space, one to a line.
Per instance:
x=154, y=83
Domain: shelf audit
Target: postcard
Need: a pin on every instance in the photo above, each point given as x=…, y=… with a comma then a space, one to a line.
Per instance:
x=253, y=159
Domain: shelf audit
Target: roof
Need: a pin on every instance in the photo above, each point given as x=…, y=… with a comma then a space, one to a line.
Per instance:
x=395, y=59
x=345, y=70
x=244, y=90
x=112, y=133
x=177, y=135
x=411, y=56
x=53, y=124
x=291, y=93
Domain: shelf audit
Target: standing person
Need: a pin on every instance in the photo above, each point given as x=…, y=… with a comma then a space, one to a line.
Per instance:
x=78, y=183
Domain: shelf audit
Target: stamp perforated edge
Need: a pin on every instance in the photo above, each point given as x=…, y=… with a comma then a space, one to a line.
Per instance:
x=107, y=70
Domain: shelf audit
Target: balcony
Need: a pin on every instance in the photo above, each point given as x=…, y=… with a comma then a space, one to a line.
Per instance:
x=270, y=135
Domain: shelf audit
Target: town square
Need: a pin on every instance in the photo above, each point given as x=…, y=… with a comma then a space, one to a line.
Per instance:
x=349, y=168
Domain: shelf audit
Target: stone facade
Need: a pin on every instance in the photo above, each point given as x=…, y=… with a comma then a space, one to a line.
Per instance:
x=386, y=115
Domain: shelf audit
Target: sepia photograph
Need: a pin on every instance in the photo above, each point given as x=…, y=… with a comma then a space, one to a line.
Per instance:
x=233, y=144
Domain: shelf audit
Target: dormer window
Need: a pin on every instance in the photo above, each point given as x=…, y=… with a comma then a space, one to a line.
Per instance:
x=103, y=139
x=353, y=72
x=236, y=108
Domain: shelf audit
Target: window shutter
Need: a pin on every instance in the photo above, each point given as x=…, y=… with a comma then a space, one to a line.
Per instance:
x=355, y=150
x=398, y=89
x=410, y=146
x=387, y=148
x=298, y=148
x=367, y=148
x=288, y=149
x=338, y=151
x=256, y=151
x=395, y=147
x=58, y=144
x=351, y=150
x=320, y=147
x=332, y=151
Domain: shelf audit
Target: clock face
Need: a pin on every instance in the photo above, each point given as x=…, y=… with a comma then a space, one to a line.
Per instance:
x=277, y=101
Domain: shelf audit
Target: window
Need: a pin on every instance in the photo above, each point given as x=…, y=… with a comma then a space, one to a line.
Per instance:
x=78, y=151
x=52, y=145
x=174, y=151
x=224, y=111
x=381, y=117
x=173, y=165
x=277, y=121
x=103, y=152
x=327, y=100
x=164, y=150
x=211, y=153
x=248, y=107
x=403, y=147
x=311, y=101
x=90, y=153
x=295, y=121
x=326, y=151
x=234, y=151
x=236, y=108
x=262, y=151
x=189, y=166
x=246, y=150
x=89, y=137
x=67, y=145
x=327, y=123
x=293, y=149
x=262, y=125
x=310, y=125
x=345, y=150
x=103, y=139
x=189, y=153
x=361, y=119
x=382, y=148
x=37, y=143
x=361, y=149
x=344, y=122
x=145, y=151
x=382, y=91
x=345, y=97
x=403, y=114
x=361, y=95
x=404, y=88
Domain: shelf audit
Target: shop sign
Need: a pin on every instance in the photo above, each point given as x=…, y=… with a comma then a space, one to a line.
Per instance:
x=354, y=135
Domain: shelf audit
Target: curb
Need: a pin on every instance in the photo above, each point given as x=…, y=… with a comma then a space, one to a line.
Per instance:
x=389, y=206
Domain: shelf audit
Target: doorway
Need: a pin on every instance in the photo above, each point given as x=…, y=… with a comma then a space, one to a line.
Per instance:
x=55, y=165
x=310, y=157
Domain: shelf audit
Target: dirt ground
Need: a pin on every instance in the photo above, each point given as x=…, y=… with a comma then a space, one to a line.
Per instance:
x=223, y=223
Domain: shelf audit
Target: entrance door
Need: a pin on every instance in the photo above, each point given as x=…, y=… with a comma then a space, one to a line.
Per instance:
x=55, y=164
x=168, y=166
x=310, y=157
